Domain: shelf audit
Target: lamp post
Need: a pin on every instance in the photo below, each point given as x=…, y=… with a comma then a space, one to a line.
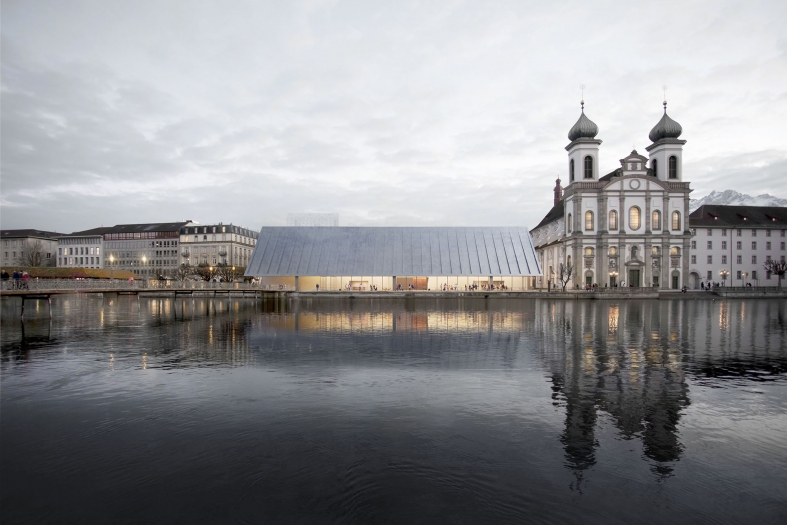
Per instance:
x=111, y=264
x=745, y=275
x=724, y=274
x=613, y=278
x=144, y=277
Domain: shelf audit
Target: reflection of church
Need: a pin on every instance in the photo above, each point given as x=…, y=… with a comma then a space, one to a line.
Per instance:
x=629, y=226
x=635, y=375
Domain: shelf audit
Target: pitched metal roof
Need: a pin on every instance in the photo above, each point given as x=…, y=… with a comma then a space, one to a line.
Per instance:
x=334, y=251
x=554, y=214
x=716, y=215
x=155, y=227
x=28, y=233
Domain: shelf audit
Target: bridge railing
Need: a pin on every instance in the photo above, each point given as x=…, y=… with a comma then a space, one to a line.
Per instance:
x=123, y=285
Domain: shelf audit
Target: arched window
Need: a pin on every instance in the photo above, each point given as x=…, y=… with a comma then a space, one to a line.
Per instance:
x=613, y=250
x=655, y=250
x=673, y=167
x=676, y=220
x=569, y=224
x=568, y=261
x=656, y=222
x=634, y=217
x=588, y=167
x=589, y=252
x=675, y=251
x=613, y=220
x=634, y=253
x=571, y=170
x=654, y=164
x=589, y=221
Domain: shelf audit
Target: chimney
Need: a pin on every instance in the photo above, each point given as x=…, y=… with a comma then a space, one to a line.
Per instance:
x=558, y=192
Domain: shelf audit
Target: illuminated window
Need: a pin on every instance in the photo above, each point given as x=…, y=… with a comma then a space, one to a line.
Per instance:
x=613, y=220
x=613, y=250
x=634, y=217
x=674, y=251
x=676, y=220
x=656, y=221
x=589, y=221
x=589, y=251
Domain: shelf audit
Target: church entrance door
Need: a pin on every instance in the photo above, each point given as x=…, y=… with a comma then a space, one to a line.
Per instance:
x=634, y=278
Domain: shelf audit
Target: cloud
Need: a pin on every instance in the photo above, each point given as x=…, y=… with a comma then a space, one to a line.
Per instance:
x=439, y=113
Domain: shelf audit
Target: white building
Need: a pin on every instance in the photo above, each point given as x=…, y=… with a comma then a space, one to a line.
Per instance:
x=83, y=249
x=216, y=244
x=17, y=242
x=731, y=244
x=629, y=227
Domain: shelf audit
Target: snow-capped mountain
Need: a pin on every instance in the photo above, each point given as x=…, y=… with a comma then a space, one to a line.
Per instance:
x=733, y=198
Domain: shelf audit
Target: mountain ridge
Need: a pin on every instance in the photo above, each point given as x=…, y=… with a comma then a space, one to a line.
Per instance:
x=734, y=198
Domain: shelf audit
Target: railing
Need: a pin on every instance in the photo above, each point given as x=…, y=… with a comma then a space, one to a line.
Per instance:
x=120, y=285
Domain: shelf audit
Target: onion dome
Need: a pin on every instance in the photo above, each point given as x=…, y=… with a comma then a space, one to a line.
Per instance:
x=666, y=128
x=584, y=128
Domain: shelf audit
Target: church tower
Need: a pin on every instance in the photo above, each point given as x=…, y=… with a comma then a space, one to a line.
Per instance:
x=583, y=150
x=666, y=152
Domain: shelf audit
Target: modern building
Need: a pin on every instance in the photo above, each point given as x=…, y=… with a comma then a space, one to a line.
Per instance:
x=731, y=244
x=216, y=244
x=629, y=227
x=83, y=249
x=386, y=258
x=148, y=250
x=17, y=243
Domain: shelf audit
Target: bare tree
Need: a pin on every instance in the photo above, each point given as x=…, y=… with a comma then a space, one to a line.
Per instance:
x=564, y=273
x=183, y=272
x=205, y=271
x=32, y=254
x=227, y=272
x=778, y=268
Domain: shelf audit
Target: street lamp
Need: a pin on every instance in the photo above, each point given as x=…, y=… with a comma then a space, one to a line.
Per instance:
x=724, y=274
x=745, y=275
x=613, y=278
x=111, y=264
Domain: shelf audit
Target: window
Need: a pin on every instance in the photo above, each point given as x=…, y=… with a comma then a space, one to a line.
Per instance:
x=589, y=221
x=738, y=275
x=656, y=220
x=588, y=167
x=710, y=275
x=710, y=245
x=674, y=251
x=740, y=232
x=768, y=245
x=673, y=167
x=613, y=220
x=754, y=233
x=676, y=220
x=767, y=275
x=754, y=245
x=754, y=275
x=724, y=232
x=710, y=232
x=589, y=252
x=723, y=259
x=754, y=259
x=767, y=233
x=613, y=251
x=634, y=252
x=739, y=259
x=723, y=245
x=693, y=245
x=571, y=171
x=781, y=245
x=59, y=251
x=693, y=259
x=97, y=251
x=634, y=217
x=738, y=245
x=569, y=225
x=654, y=164
x=655, y=250
x=710, y=259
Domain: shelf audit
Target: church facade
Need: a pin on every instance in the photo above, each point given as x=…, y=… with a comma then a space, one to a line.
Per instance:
x=629, y=227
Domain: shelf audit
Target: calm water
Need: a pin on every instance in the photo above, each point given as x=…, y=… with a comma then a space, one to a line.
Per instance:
x=127, y=410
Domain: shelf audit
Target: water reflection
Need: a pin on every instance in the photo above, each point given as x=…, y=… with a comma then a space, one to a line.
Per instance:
x=456, y=382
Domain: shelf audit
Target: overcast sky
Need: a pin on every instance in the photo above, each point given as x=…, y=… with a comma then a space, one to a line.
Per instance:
x=388, y=113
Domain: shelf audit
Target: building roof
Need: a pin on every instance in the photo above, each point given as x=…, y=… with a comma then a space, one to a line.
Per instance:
x=7, y=234
x=715, y=215
x=583, y=129
x=337, y=251
x=154, y=227
x=666, y=128
x=554, y=214
x=93, y=232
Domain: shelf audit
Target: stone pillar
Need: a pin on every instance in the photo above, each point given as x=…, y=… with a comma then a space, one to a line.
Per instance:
x=622, y=215
x=393, y=282
x=666, y=264
x=603, y=214
x=648, y=218
x=647, y=257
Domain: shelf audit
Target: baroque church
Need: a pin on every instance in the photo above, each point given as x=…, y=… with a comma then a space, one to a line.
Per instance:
x=627, y=228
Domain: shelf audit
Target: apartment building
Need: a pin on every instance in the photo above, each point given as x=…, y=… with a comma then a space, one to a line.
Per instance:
x=83, y=249
x=16, y=242
x=216, y=244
